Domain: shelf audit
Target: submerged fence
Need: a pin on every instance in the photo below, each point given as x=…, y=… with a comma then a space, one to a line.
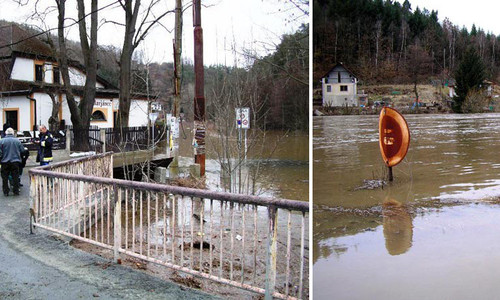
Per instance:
x=255, y=243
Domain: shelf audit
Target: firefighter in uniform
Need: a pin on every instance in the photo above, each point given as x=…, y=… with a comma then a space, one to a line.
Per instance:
x=45, y=149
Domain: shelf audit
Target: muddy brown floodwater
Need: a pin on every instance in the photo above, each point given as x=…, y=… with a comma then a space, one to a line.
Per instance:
x=432, y=234
x=282, y=163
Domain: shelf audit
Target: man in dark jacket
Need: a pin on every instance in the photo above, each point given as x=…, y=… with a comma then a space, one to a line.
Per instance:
x=25, y=154
x=5, y=127
x=10, y=153
x=45, y=149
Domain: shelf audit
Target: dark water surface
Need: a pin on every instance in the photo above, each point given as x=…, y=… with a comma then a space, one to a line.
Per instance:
x=432, y=234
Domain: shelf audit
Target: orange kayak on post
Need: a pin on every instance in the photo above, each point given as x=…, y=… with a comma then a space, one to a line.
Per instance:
x=394, y=136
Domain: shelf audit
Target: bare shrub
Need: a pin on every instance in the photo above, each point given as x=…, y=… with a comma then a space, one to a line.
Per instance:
x=475, y=101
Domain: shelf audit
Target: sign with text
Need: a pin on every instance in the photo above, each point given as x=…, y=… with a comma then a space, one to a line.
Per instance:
x=174, y=127
x=243, y=117
x=102, y=103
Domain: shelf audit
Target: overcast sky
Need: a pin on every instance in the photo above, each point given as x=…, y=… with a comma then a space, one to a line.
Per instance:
x=483, y=13
x=248, y=24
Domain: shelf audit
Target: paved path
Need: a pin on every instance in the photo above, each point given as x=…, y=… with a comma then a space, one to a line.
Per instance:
x=41, y=266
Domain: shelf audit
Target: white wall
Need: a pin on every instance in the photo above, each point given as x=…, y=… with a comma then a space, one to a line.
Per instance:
x=23, y=104
x=138, y=113
x=337, y=97
x=77, y=77
x=24, y=69
x=48, y=69
x=43, y=108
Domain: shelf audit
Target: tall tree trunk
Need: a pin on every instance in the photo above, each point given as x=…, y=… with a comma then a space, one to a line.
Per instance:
x=177, y=56
x=131, y=12
x=177, y=74
x=90, y=58
x=378, y=32
x=80, y=112
x=64, y=68
x=54, y=116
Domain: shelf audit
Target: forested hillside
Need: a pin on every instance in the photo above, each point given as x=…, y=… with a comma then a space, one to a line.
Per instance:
x=384, y=41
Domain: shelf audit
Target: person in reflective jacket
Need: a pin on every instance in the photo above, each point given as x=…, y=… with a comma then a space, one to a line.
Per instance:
x=45, y=150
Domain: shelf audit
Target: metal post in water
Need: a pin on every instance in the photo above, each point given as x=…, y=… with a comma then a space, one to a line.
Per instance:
x=199, y=96
x=391, y=178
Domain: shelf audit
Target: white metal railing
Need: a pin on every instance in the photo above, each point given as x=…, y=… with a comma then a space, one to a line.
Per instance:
x=255, y=243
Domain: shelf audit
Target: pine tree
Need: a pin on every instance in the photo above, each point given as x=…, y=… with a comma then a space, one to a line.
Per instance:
x=470, y=75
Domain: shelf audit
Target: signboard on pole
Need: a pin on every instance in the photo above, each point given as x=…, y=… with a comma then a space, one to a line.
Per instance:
x=243, y=117
x=174, y=127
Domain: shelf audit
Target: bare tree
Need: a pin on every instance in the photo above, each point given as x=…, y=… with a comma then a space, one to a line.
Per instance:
x=133, y=37
x=80, y=111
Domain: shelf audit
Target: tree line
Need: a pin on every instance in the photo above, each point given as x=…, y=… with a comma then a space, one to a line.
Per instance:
x=275, y=87
x=384, y=41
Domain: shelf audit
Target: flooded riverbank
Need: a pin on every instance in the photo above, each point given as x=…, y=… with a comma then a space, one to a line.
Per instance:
x=436, y=221
x=277, y=163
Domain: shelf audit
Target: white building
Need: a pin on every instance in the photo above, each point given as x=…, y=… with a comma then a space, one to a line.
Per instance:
x=28, y=73
x=339, y=87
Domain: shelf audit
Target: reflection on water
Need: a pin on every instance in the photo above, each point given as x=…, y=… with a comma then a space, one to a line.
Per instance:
x=398, y=228
x=365, y=240
x=455, y=255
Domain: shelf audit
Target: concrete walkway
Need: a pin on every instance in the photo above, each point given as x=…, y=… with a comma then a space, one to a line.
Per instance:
x=42, y=266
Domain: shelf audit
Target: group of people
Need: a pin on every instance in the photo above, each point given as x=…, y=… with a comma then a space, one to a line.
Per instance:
x=13, y=156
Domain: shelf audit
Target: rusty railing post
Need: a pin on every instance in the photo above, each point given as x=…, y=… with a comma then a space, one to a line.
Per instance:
x=272, y=242
x=117, y=236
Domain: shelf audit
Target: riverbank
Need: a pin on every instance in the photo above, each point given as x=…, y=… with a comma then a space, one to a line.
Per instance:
x=341, y=111
x=433, y=99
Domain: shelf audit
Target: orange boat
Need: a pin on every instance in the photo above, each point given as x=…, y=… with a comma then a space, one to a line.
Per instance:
x=394, y=136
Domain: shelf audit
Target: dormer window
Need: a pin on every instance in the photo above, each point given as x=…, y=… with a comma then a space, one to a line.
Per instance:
x=38, y=72
x=56, y=75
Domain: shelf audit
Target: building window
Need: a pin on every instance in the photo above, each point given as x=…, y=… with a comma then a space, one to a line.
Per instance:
x=328, y=88
x=338, y=75
x=98, y=116
x=38, y=72
x=343, y=88
x=56, y=75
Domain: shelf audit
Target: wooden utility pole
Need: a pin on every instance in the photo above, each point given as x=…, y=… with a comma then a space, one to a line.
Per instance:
x=177, y=57
x=199, y=93
x=177, y=76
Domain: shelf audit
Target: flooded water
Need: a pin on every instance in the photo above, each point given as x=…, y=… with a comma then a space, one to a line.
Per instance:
x=278, y=163
x=434, y=229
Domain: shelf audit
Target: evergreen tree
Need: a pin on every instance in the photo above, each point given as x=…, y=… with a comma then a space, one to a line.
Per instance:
x=470, y=75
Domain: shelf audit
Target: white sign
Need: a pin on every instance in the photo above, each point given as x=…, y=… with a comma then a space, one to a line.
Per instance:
x=243, y=118
x=153, y=117
x=156, y=106
x=174, y=127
